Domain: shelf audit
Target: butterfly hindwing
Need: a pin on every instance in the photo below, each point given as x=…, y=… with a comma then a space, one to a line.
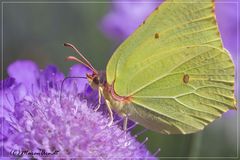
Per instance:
x=188, y=104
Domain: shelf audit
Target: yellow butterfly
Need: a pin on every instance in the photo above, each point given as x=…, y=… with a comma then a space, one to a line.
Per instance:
x=172, y=75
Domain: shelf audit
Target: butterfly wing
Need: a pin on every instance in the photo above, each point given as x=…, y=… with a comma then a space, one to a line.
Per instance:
x=175, y=69
x=196, y=88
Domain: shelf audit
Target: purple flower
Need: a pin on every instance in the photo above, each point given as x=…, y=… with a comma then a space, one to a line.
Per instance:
x=37, y=123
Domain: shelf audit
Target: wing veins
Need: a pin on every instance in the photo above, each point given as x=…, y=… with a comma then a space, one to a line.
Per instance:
x=176, y=26
x=207, y=59
x=193, y=108
x=186, y=23
x=158, y=78
x=191, y=33
x=213, y=87
x=154, y=111
x=212, y=99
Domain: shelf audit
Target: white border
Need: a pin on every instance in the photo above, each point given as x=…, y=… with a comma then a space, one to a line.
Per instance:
x=97, y=2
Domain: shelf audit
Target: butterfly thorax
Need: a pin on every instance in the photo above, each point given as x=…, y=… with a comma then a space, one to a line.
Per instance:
x=98, y=81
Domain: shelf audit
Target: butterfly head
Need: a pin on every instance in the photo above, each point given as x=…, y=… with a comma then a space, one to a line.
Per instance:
x=97, y=79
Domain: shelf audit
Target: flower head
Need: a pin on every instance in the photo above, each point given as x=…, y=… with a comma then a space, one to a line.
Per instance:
x=37, y=123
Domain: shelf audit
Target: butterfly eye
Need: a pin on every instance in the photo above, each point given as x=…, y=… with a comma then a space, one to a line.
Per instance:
x=96, y=80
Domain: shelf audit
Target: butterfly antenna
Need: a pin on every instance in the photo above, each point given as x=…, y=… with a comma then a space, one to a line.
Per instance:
x=77, y=51
x=72, y=58
x=84, y=61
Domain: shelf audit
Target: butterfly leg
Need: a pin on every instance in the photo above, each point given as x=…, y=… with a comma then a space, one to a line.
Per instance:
x=125, y=121
x=99, y=99
x=110, y=112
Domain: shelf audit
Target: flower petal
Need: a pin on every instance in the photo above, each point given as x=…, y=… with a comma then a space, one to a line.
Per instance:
x=50, y=77
x=79, y=71
x=227, y=19
x=7, y=83
x=25, y=72
x=19, y=92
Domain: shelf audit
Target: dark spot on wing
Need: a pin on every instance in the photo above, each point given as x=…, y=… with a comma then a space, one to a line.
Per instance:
x=186, y=78
x=156, y=35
